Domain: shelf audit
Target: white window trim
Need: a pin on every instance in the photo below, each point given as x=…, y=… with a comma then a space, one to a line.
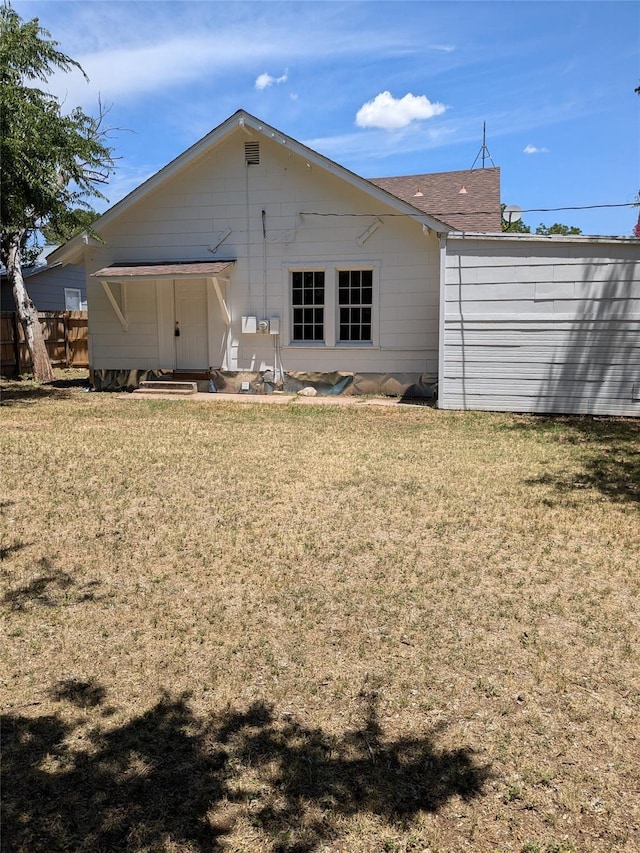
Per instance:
x=287, y=332
x=374, y=266
x=331, y=315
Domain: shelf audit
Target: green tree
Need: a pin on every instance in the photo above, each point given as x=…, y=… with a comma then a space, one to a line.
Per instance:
x=520, y=228
x=557, y=228
x=51, y=161
x=68, y=225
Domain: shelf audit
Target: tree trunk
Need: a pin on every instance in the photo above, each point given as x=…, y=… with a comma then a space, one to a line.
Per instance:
x=26, y=310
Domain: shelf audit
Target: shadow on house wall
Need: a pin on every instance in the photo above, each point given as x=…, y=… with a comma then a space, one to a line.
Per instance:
x=597, y=369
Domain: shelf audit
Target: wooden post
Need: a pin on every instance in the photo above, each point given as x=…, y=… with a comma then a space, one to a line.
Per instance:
x=67, y=342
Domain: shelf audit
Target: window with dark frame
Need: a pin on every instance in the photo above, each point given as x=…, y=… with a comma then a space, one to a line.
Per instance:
x=307, y=300
x=355, y=300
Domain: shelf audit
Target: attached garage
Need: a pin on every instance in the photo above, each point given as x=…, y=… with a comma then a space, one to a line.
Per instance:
x=541, y=324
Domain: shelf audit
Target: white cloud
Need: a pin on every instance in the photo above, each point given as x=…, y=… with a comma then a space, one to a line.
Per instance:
x=265, y=80
x=125, y=73
x=390, y=113
x=531, y=149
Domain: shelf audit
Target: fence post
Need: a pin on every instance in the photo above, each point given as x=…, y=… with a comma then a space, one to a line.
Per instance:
x=16, y=343
x=67, y=342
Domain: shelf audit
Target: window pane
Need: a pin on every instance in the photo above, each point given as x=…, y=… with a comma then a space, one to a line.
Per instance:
x=355, y=297
x=307, y=289
x=71, y=299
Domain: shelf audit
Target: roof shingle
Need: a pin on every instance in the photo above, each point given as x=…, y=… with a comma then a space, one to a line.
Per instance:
x=190, y=269
x=468, y=200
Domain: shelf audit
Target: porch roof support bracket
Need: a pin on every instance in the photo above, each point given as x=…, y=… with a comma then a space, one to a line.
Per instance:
x=121, y=317
x=223, y=304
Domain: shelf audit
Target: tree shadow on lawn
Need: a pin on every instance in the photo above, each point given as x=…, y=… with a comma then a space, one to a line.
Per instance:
x=170, y=777
x=8, y=550
x=51, y=588
x=610, y=453
x=17, y=392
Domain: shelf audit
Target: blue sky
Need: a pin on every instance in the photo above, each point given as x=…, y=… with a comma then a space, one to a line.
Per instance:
x=383, y=88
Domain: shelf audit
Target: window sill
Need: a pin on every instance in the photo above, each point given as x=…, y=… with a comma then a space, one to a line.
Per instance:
x=360, y=345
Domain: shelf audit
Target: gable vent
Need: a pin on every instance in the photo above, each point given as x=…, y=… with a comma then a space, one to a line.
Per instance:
x=252, y=153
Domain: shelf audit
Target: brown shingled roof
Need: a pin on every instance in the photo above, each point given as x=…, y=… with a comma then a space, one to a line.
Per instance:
x=467, y=201
x=165, y=269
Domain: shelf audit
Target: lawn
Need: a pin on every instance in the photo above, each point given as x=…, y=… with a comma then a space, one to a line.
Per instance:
x=237, y=627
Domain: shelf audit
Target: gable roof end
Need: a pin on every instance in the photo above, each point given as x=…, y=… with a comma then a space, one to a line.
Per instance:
x=73, y=249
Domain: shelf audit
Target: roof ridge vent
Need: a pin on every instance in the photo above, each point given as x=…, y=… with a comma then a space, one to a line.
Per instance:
x=252, y=153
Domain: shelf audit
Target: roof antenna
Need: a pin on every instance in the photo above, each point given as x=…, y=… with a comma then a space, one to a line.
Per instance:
x=484, y=151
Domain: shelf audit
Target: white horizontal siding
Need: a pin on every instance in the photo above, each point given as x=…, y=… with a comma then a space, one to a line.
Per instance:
x=542, y=327
x=111, y=347
x=187, y=217
x=539, y=403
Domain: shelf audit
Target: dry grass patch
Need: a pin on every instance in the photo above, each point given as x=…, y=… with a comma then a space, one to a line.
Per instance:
x=316, y=628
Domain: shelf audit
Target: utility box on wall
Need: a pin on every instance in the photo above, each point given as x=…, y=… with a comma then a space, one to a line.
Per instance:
x=249, y=325
x=274, y=326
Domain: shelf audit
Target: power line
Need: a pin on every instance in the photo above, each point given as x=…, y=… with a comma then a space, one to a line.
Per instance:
x=579, y=207
x=477, y=212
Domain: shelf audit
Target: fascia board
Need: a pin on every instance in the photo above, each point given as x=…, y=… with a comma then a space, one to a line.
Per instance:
x=69, y=253
x=505, y=237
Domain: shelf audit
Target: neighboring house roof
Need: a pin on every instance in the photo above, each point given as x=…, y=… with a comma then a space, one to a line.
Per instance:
x=39, y=265
x=72, y=251
x=467, y=201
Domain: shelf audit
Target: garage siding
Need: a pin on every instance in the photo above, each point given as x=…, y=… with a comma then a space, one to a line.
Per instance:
x=541, y=325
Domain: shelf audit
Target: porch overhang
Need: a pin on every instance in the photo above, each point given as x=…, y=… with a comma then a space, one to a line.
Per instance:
x=124, y=273
x=143, y=271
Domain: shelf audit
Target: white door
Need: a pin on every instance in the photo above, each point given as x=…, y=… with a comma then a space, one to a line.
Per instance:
x=191, y=330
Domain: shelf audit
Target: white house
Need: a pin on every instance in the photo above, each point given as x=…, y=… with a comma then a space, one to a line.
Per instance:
x=256, y=262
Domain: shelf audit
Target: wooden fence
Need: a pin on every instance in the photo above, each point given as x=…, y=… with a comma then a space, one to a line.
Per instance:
x=65, y=333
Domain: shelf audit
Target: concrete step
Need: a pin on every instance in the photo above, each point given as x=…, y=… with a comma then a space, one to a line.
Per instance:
x=167, y=386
